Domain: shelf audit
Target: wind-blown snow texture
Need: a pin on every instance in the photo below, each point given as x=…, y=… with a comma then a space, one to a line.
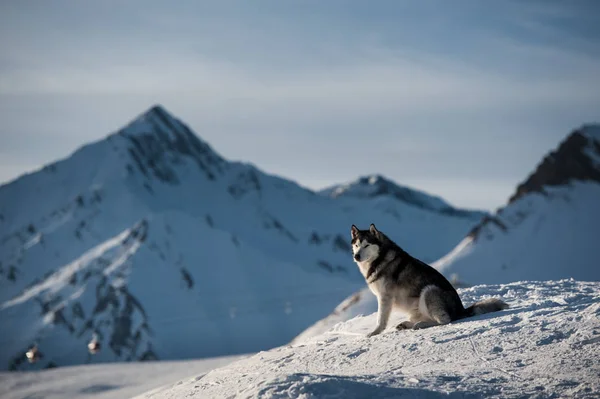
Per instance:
x=550, y=228
x=545, y=345
x=166, y=250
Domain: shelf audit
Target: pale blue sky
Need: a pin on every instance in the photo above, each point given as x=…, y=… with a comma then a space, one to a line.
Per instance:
x=459, y=98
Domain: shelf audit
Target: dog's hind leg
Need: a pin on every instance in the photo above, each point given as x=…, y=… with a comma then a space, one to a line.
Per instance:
x=433, y=308
x=425, y=324
x=414, y=317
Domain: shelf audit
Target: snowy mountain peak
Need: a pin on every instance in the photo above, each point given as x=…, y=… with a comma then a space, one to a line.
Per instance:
x=376, y=186
x=158, y=141
x=576, y=158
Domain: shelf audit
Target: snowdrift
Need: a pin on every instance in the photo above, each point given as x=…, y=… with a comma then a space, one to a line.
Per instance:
x=545, y=345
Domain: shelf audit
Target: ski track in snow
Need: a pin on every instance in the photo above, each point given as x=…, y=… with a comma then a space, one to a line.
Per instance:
x=544, y=345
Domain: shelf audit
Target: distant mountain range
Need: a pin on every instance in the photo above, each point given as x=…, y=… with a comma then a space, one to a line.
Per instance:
x=164, y=249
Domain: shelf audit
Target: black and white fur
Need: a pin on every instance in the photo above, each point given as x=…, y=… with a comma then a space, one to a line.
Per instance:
x=401, y=281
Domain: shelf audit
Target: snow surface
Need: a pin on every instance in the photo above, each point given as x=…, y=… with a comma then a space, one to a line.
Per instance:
x=545, y=345
x=153, y=241
x=106, y=381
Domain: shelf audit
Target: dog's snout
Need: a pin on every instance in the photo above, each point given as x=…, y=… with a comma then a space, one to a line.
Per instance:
x=357, y=257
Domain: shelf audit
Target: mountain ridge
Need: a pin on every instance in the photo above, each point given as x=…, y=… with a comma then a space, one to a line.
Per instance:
x=377, y=185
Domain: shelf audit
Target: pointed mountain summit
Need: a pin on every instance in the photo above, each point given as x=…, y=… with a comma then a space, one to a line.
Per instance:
x=159, y=141
x=577, y=158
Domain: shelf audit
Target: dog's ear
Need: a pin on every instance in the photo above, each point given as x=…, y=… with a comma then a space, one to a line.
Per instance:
x=354, y=231
x=374, y=231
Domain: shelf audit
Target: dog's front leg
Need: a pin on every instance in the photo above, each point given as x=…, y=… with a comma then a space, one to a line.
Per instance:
x=384, y=308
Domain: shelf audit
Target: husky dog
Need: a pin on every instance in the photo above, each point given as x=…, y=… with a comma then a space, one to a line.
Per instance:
x=408, y=284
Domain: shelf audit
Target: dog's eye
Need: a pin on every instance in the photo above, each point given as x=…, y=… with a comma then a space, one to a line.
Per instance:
x=367, y=245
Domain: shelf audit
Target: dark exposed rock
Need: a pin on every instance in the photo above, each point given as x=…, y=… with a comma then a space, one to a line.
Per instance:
x=339, y=243
x=79, y=201
x=314, y=238
x=325, y=265
x=96, y=197
x=164, y=144
x=77, y=311
x=246, y=182
x=271, y=222
x=11, y=275
x=148, y=188
x=187, y=278
x=567, y=163
x=138, y=161
x=484, y=222
x=58, y=318
x=148, y=354
x=130, y=169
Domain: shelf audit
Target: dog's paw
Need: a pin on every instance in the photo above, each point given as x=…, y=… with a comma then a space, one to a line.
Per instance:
x=423, y=324
x=405, y=325
x=374, y=332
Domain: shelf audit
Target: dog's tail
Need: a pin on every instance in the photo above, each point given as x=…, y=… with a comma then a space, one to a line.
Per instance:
x=486, y=306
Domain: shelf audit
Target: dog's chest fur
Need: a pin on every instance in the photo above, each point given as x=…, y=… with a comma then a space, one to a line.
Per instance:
x=383, y=287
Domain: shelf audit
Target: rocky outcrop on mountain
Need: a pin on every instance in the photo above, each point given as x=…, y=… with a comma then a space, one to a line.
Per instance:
x=576, y=158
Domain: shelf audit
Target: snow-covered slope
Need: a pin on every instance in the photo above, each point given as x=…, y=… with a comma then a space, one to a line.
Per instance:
x=103, y=381
x=165, y=249
x=550, y=227
x=545, y=345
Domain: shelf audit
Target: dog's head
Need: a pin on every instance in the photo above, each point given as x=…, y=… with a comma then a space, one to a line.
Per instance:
x=366, y=243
